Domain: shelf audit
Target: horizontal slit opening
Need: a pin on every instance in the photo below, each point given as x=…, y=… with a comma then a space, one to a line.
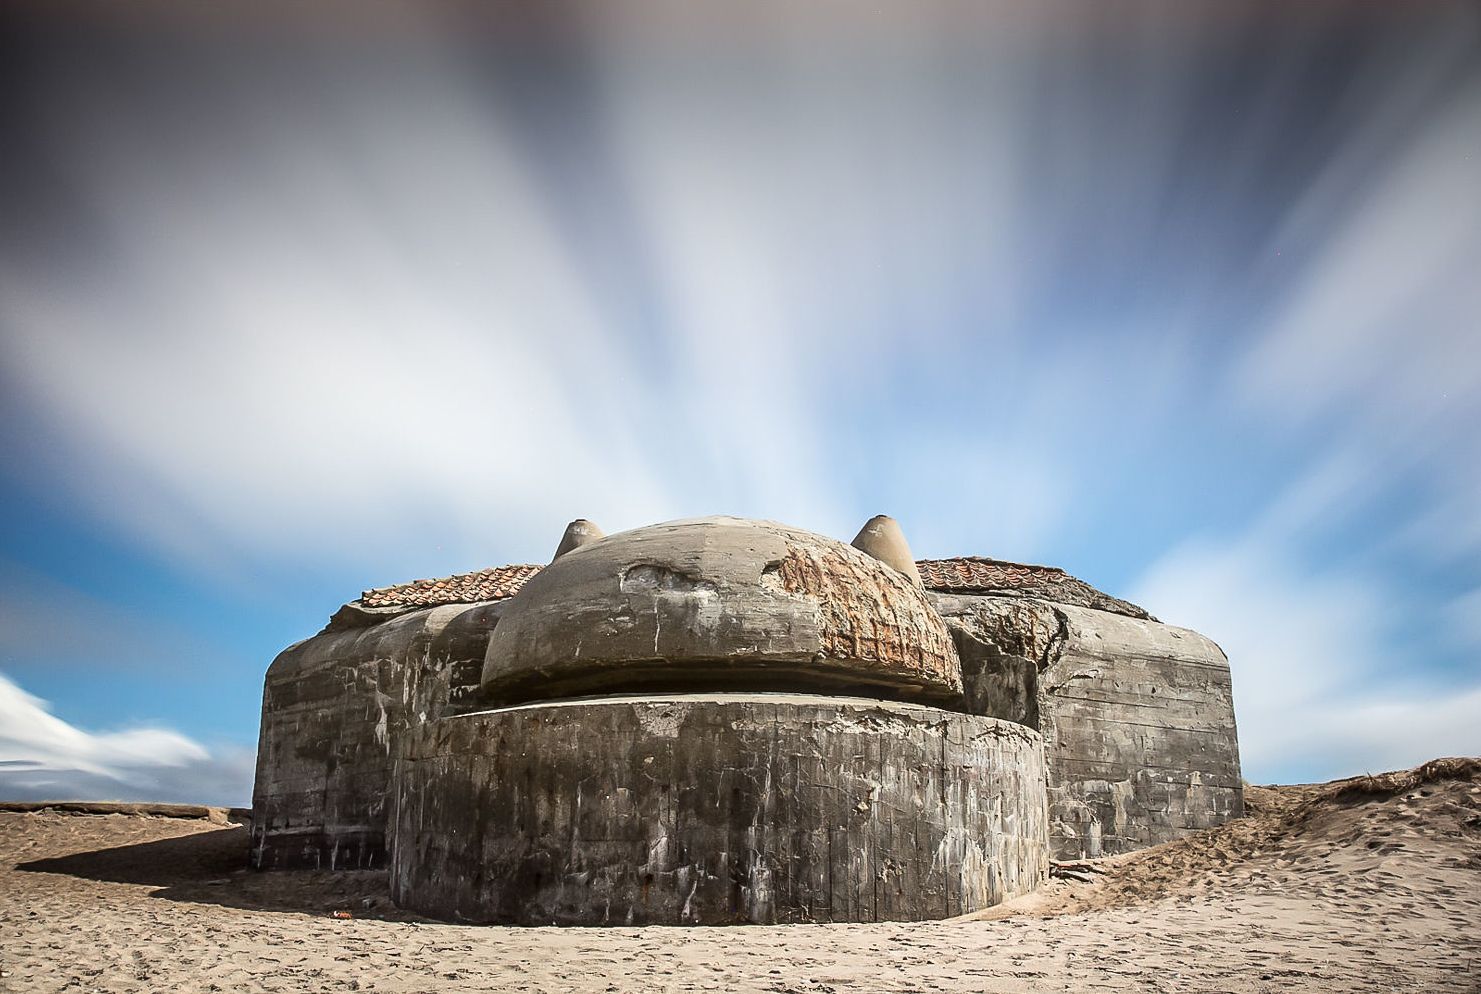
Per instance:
x=710, y=677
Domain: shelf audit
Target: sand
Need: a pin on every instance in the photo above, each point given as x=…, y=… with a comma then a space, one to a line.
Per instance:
x=1371, y=885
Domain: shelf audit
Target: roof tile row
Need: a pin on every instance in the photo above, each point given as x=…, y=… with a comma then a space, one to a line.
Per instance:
x=963, y=574
x=493, y=584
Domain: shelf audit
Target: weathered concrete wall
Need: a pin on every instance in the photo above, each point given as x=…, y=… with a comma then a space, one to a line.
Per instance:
x=332, y=709
x=1137, y=717
x=716, y=809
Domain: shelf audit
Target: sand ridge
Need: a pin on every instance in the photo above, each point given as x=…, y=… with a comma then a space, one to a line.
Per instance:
x=1362, y=885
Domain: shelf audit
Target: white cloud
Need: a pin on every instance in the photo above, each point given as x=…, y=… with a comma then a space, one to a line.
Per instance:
x=255, y=407
x=44, y=757
x=1369, y=351
x=1376, y=734
x=1319, y=691
x=288, y=337
x=1388, y=307
x=776, y=265
x=337, y=325
x=1373, y=347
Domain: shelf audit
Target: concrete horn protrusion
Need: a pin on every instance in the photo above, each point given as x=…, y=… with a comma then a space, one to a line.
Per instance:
x=882, y=538
x=578, y=533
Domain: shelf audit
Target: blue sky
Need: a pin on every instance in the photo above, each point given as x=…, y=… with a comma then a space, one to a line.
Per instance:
x=1185, y=300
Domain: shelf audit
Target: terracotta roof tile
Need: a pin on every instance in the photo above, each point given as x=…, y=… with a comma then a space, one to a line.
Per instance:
x=963, y=574
x=980, y=575
x=493, y=584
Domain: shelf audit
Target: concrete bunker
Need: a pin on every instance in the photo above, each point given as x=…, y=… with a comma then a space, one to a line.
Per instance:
x=722, y=720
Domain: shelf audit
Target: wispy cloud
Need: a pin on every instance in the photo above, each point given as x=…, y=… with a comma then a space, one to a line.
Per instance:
x=44, y=757
x=1305, y=651
x=1337, y=669
x=1373, y=346
x=1157, y=288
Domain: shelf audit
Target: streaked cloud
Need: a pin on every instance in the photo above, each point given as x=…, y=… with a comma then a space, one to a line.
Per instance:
x=1311, y=655
x=1150, y=290
x=42, y=757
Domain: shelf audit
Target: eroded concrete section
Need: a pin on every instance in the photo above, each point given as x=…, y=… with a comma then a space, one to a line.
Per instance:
x=725, y=603
x=1137, y=716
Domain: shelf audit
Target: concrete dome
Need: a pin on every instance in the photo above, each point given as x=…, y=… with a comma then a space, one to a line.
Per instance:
x=719, y=603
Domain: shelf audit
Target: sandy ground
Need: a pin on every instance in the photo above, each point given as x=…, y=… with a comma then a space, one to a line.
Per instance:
x=1370, y=885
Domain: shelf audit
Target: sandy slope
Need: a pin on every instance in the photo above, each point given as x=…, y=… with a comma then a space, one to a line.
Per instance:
x=1357, y=886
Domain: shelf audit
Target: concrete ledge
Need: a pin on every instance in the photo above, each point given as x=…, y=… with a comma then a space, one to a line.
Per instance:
x=716, y=809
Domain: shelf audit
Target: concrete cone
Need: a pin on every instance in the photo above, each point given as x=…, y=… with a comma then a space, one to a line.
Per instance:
x=882, y=538
x=578, y=533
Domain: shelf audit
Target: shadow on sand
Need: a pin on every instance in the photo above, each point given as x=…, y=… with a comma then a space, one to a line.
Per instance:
x=211, y=868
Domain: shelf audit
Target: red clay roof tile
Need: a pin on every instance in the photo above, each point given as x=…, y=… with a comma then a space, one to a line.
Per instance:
x=980, y=575
x=493, y=584
x=963, y=574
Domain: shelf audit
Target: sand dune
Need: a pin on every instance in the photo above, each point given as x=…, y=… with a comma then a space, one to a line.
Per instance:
x=1371, y=884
